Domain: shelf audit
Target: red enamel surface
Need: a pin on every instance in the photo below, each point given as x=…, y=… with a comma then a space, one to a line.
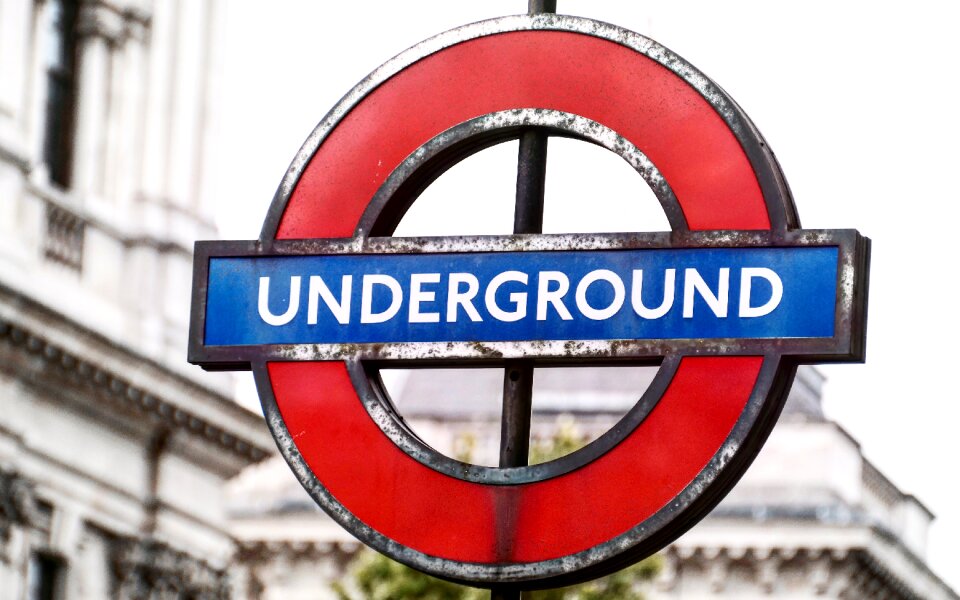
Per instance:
x=717, y=189
x=446, y=517
x=595, y=78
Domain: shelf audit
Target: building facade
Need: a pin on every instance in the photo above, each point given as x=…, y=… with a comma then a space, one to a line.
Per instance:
x=113, y=451
x=812, y=518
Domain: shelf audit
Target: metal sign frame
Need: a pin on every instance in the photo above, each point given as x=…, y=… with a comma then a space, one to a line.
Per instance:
x=306, y=386
x=845, y=345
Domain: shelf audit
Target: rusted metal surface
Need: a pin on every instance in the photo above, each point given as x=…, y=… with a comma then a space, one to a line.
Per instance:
x=516, y=414
x=847, y=344
x=528, y=219
x=378, y=405
x=500, y=565
x=433, y=158
x=771, y=180
x=692, y=503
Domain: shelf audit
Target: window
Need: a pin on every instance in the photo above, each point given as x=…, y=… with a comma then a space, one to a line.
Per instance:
x=61, y=64
x=46, y=577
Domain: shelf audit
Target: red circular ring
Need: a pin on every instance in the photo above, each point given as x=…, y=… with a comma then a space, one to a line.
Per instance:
x=407, y=505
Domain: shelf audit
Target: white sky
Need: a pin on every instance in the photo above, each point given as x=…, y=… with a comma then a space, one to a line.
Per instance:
x=858, y=99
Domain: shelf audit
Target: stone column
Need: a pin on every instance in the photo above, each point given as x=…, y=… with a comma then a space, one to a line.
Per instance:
x=99, y=28
x=205, y=200
x=15, y=53
x=155, y=143
x=127, y=129
x=187, y=126
x=17, y=513
x=15, y=62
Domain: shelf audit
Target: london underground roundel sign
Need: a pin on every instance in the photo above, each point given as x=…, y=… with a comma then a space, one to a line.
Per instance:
x=729, y=302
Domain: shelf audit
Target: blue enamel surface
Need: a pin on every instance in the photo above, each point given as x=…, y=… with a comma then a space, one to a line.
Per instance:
x=807, y=308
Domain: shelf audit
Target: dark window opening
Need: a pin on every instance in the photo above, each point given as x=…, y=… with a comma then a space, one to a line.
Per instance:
x=61, y=64
x=46, y=577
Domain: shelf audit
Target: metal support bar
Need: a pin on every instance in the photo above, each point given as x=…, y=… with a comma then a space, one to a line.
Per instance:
x=541, y=6
x=531, y=179
x=509, y=593
x=518, y=374
x=515, y=420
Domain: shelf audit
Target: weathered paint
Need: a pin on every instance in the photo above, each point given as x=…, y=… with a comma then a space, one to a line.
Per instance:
x=656, y=110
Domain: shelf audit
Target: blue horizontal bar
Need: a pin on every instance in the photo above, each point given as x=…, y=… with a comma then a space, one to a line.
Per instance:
x=523, y=296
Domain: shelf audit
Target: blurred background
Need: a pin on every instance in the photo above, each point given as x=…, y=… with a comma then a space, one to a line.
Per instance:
x=129, y=129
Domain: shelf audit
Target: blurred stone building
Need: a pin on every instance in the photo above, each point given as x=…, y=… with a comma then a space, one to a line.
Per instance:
x=114, y=452
x=812, y=518
x=126, y=473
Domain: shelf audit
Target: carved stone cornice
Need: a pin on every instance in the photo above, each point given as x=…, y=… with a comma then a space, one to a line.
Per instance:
x=115, y=388
x=852, y=573
x=146, y=569
x=18, y=505
x=100, y=19
x=115, y=24
x=260, y=552
x=136, y=24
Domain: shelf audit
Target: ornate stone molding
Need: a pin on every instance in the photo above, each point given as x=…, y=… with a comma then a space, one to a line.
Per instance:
x=63, y=242
x=99, y=19
x=849, y=573
x=136, y=24
x=113, y=23
x=261, y=552
x=260, y=558
x=116, y=388
x=103, y=221
x=17, y=505
x=146, y=569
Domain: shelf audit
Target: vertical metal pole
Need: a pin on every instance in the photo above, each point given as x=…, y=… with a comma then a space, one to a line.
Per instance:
x=505, y=593
x=515, y=419
x=518, y=374
x=541, y=6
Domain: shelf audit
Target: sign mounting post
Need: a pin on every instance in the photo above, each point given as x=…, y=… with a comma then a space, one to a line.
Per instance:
x=728, y=303
x=518, y=373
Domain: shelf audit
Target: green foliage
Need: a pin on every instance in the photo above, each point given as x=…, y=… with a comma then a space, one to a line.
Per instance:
x=622, y=585
x=379, y=578
x=376, y=577
x=566, y=439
